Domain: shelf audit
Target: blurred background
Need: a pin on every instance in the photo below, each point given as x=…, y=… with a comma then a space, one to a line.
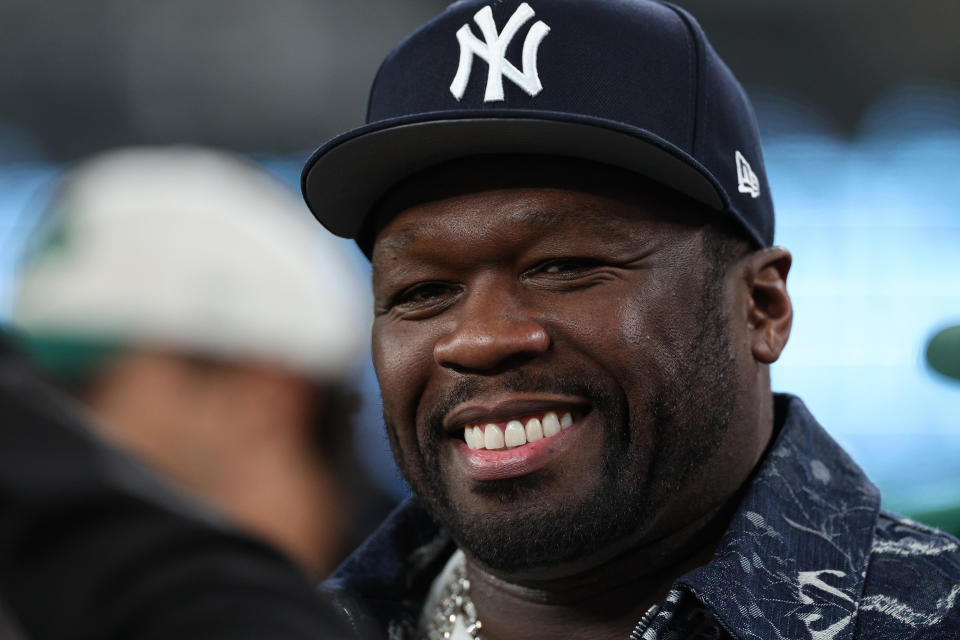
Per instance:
x=859, y=108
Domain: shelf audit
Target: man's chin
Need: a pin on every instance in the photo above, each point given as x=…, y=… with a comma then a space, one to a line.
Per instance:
x=510, y=528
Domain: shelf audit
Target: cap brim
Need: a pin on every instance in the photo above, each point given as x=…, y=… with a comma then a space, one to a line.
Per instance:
x=346, y=177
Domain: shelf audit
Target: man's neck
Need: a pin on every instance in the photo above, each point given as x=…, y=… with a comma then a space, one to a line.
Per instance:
x=603, y=601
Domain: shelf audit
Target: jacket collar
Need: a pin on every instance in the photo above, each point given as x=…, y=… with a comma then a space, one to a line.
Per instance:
x=791, y=564
x=387, y=578
x=793, y=560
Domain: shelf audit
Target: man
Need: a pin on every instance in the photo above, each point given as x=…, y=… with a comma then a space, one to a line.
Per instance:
x=577, y=301
x=221, y=355
x=93, y=545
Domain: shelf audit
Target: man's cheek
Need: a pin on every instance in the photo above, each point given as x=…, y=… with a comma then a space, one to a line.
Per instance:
x=398, y=384
x=653, y=333
x=406, y=452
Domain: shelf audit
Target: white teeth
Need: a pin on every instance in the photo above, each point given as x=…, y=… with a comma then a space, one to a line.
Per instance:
x=551, y=425
x=492, y=437
x=514, y=435
x=534, y=430
x=474, y=437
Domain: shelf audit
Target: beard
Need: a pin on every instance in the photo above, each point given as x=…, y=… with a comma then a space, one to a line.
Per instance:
x=686, y=422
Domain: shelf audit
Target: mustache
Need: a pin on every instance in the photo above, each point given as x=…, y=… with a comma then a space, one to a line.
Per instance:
x=517, y=382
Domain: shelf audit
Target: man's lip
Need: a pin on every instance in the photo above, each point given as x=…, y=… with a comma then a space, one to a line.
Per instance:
x=502, y=408
x=482, y=465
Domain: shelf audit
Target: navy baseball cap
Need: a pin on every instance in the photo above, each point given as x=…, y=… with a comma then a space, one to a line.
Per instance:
x=630, y=83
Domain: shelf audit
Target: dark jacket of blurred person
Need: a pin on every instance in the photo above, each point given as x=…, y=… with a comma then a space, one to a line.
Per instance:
x=186, y=299
x=95, y=546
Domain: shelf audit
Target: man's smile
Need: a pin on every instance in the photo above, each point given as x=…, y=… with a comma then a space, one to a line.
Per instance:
x=483, y=464
x=516, y=432
x=512, y=437
x=506, y=423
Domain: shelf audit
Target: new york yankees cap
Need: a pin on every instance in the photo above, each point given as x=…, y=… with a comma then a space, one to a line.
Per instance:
x=630, y=83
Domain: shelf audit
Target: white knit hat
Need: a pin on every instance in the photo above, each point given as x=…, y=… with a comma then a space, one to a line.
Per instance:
x=197, y=250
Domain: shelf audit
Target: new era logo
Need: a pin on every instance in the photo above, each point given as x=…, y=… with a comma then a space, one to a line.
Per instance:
x=747, y=181
x=493, y=50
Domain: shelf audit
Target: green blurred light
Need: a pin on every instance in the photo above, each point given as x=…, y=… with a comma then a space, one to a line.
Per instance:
x=943, y=352
x=946, y=519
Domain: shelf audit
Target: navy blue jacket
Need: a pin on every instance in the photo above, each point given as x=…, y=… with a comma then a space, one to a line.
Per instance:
x=808, y=555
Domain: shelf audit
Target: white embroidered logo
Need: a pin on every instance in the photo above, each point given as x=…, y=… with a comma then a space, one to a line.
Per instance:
x=494, y=51
x=747, y=180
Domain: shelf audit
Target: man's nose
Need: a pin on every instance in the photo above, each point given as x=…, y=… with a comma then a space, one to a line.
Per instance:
x=489, y=332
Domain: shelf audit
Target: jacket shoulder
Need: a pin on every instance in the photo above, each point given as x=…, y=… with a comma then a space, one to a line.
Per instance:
x=912, y=587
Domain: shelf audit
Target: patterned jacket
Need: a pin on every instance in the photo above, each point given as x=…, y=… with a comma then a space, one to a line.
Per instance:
x=808, y=555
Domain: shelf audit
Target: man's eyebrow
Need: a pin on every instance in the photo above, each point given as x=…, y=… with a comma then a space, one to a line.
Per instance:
x=402, y=239
x=603, y=223
x=546, y=219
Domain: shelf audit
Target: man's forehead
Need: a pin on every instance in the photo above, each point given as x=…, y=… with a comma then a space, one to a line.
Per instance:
x=515, y=208
x=566, y=188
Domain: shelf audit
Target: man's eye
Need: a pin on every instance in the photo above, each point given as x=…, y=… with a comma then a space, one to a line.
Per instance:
x=423, y=293
x=568, y=266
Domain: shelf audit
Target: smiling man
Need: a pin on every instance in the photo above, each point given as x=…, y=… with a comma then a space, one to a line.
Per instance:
x=577, y=302
x=567, y=375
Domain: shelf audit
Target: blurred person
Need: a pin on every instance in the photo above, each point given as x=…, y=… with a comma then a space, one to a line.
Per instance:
x=182, y=296
x=96, y=546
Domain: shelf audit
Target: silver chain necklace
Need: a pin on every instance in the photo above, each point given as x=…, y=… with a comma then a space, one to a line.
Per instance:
x=456, y=604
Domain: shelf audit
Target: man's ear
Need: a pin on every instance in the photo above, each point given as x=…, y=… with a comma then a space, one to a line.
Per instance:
x=770, y=312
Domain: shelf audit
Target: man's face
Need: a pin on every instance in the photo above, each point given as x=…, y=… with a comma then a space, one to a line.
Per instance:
x=506, y=305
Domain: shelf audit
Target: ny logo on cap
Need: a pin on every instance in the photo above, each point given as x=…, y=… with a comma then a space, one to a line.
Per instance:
x=494, y=52
x=747, y=180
